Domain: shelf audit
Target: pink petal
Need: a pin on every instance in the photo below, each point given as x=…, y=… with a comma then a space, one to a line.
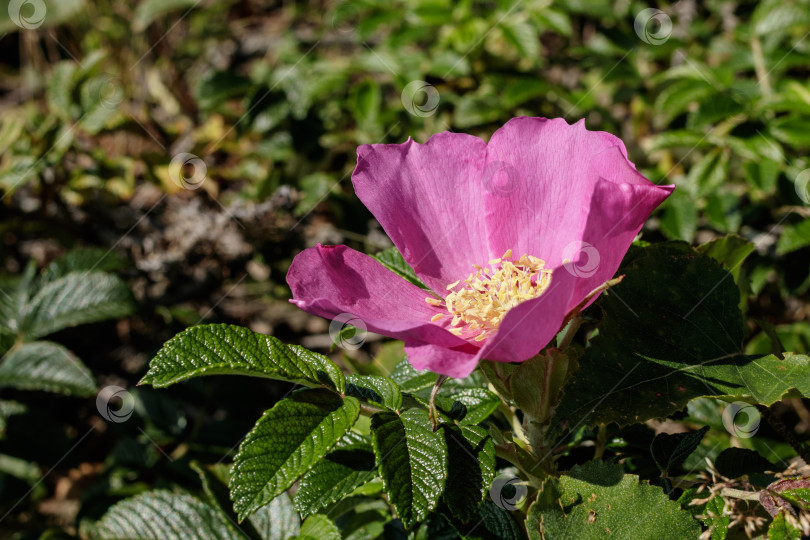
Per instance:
x=554, y=169
x=450, y=362
x=329, y=281
x=618, y=211
x=429, y=199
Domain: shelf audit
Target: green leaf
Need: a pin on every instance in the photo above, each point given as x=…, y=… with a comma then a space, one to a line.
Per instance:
x=277, y=520
x=348, y=466
x=671, y=449
x=491, y=522
x=220, y=86
x=470, y=468
x=523, y=37
x=219, y=349
x=82, y=260
x=44, y=365
x=676, y=98
x=165, y=515
x=14, y=294
x=149, y=11
x=101, y=97
x=392, y=259
x=77, y=298
x=375, y=388
x=736, y=462
x=794, y=237
x=730, y=251
x=710, y=513
x=412, y=460
x=779, y=16
x=598, y=500
x=410, y=380
x=59, y=92
x=783, y=529
x=8, y=409
x=475, y=110
x=318, y=527
x=671, y=332
x=285, y=443
x=480, y=403
x=366, y=102
x=791, y=130
x=679, y=216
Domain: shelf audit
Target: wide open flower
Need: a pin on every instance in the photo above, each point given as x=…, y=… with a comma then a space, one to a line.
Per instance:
x=510, y=236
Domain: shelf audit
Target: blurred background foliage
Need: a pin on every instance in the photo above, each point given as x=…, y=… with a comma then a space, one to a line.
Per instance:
x=265, y=103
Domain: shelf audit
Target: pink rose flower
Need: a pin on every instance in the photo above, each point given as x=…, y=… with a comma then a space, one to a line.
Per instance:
x=509, y=235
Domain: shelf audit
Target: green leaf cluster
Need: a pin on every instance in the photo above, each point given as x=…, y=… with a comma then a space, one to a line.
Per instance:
x=342, y=436
x=75, y=289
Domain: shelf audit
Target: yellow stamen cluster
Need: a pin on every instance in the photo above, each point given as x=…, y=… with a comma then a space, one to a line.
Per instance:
x=490, y=292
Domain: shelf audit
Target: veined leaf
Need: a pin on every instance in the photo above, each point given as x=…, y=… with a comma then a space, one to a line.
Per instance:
x=375, y=388
x=412, y=460
x=220, y=349
x=348, y=466
x=730, y=251
x=165, y=515
x=663, y=342
x=285, y=443
x=77, y=298
x=671, y=449
x=276, y=520
x=44, y=365
x=794, y=237
x=736, y=462
x=470, y=468
x=82, y=260
x=410, y=380
x=318, y=527
x=599, y=500
x=7, y=409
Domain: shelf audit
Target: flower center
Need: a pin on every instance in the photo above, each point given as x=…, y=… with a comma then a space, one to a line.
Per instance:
x=485, y=297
